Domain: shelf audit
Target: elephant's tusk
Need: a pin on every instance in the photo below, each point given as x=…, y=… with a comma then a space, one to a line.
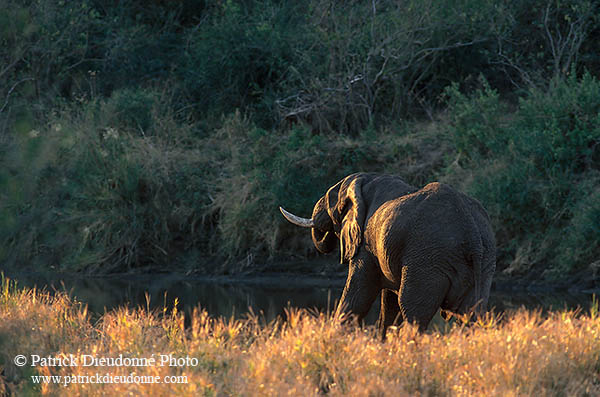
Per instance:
x=296, y=220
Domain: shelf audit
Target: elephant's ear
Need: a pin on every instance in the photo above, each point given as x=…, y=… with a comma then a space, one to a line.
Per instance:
x=350, y=212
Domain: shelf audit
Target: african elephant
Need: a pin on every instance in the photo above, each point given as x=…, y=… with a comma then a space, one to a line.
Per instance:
x=423, y=249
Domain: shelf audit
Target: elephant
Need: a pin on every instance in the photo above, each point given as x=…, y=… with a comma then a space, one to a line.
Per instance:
x=420, y=250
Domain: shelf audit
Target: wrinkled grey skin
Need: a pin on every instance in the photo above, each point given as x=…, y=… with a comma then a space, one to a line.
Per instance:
x=421, y=249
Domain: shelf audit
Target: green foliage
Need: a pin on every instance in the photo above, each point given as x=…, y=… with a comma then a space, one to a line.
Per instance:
x=564, y=123
x=131, y=109
x=372, y=63
x=96, y=197
x=475, y=120
x=241, y=57
x=580, y=243
x=536, y=169
x=121, y=145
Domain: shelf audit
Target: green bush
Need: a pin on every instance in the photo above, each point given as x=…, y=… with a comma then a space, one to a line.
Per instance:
x=121, y=146
x=579, y=244
x=476, y=119
x=241, y=57
x=131, y=109
x=535, y=168
x=98, y=198
x=369, y=64
x=563, y=125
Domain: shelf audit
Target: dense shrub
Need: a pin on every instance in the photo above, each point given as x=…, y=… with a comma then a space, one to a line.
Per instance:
x=135, y=133
x=100, y=196
x=536, y=168
x=241, y=57
x=131, y=109
x=369, y=63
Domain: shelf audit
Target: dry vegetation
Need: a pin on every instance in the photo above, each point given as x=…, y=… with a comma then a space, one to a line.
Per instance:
x=523, y=353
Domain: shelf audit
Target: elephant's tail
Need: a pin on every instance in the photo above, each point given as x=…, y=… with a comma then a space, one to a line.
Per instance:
x=476, y=252
x=477, y=263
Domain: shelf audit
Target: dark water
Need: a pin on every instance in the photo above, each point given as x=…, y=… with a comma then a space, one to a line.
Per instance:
x=233, y=299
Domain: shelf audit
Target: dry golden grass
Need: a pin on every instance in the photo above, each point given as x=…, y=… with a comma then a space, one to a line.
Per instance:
x=522, y=354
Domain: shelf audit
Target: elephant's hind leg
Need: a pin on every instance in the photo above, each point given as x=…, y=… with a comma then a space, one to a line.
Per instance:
x=421, y=294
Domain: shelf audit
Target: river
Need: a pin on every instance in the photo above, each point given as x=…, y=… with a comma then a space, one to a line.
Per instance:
x=268, y=295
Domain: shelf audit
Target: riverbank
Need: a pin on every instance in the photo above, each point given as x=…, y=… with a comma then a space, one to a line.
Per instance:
x=318, y=272
x=324, y=271
x=521, y=353
x=127, y=146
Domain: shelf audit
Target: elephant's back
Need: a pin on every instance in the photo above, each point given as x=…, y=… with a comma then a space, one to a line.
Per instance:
x=436, y=209
x=382, y=189
x=442, y=217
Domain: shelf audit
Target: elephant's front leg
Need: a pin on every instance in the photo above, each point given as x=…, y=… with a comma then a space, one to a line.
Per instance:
x=389, y=311
x=362, y=287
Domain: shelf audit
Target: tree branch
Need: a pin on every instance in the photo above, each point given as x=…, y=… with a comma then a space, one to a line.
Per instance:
x=12, y=89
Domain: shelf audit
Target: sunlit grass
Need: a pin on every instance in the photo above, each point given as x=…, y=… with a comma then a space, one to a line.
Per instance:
x=522, y=353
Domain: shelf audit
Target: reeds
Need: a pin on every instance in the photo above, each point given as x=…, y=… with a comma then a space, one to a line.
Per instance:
x=521, y=353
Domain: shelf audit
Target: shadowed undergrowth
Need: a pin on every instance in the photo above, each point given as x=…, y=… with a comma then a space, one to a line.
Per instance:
x=522, y=353
x=126, y=145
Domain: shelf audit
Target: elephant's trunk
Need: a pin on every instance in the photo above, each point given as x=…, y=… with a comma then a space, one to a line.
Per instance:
x=323, y=235
x=325, y=242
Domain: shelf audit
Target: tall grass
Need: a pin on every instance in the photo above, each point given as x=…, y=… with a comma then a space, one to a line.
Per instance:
x=522, y=353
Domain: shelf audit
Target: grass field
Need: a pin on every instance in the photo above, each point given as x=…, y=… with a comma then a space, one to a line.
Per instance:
x=519, y=353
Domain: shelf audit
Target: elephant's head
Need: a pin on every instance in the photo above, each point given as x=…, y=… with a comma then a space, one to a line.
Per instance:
x=339, y=214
